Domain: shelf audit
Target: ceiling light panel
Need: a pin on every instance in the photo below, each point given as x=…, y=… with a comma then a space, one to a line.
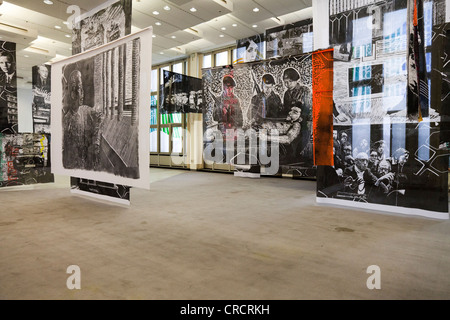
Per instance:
x=239, y=32
x=58, y=9
x=244, y=10
x=177, y=18
x=184, y=37
x=142, y=21
x=273, y=8
x=206, y=9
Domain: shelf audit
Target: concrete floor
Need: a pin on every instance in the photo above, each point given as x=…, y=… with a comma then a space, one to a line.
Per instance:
x=201, y=235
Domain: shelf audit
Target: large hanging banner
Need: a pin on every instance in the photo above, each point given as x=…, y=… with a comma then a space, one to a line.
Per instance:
x=8, y=88
x=41, y=98
x=417, y=79
x=290, y=39
x=102, y=190
x=106, y=23
x=182, y=94
x=250, y=49
x=101, y=25
x=440, y=79
x=24, y=159
x=100, y=112
x=261, y=96
x=382, y=157
x=322, y=84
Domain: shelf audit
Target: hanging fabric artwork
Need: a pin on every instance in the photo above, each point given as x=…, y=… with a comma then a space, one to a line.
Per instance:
x=417, y=82
x=322, y=83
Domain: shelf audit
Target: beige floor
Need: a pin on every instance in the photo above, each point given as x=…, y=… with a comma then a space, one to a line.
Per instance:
x=201, y=235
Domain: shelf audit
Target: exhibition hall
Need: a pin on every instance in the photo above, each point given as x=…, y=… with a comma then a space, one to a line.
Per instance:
x=314, y=133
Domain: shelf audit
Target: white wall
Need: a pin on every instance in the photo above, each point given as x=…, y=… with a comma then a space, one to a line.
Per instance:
x=24, y=101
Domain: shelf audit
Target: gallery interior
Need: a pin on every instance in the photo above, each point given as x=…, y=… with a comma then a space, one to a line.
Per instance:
x=224, y=149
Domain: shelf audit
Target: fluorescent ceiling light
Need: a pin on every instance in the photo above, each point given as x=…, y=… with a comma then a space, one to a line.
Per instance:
x=193, y=9
x=173, y=37
x=57, y=27
x=278, y=20
x=158, y=23
x=255, y=26
x=167, y=8
x=255, y=9
x=155, y=13
x=223, y=28
x=234, y=24
x=34, y=49
x=48, y=2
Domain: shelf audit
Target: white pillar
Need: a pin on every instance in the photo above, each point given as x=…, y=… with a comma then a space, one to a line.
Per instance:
x=194, y=141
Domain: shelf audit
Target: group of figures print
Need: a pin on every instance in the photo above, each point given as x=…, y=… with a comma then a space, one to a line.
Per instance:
x=383, y=153
x=266, y=95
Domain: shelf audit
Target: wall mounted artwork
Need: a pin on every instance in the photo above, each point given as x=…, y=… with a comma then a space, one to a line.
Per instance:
x=8, y=88
x=100, y=112
x=41, y=98
x=384, y=156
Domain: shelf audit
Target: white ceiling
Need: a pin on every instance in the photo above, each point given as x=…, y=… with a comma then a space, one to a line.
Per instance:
x=209, y=28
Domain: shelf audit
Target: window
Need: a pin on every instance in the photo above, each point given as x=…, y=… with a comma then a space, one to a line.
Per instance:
x=178, y=68
x=154, y=86
x=221, y=58
x=206, y=61
x=161, y=76
x=153, y=140
x=166, y=128
x=362, y=38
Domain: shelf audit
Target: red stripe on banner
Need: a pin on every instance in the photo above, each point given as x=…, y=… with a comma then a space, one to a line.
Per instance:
x=415, y=22
x=322, y=84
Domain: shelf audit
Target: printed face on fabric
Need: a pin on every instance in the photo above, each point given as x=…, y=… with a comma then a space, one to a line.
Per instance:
x=6, y=63
x=384, y=167
x=251, y=51
x=268, y=83
x=290, y=78
x=294, y=114
x=362, y=161
x=228, y=86
x=290, y=84
x=43, y=72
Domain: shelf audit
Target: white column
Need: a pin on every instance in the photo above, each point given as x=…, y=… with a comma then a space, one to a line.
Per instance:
x=194, y=70
x=194, y=141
